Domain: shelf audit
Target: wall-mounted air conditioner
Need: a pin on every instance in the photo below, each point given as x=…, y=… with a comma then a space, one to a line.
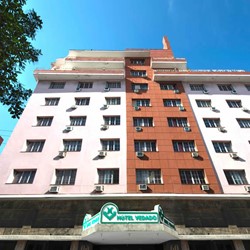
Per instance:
x=68, y=128
x=102, y=153
x=138, y=129
x=234, y=155
x=181, y=108
x=176, y=91
x=73, y=107
x=143, y=187
x=139, y=154
x=104, y=127
x=54, y=189
x=99, y=188
x=62, y=154
x=136, y=108
x=205, y=187
x=187, y=129
x=105, y=106
x=107, y=89
x=221, y=129
x=205, y=91
x=195, y=154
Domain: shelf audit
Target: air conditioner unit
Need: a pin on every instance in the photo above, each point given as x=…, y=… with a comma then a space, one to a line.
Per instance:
x=181, y=108
x=99, y=188
x=213, y=108
x=136, y=90
x=187, y=129
x=247, y=188
x=234, y=155
x=102, y=153
x=245, y=109
x=139, y=154
x=222, y=129
x=138, y=129
x=68, y=128
x=78, y=89
x=105, y=106
x=73, y=107
x=62, y=154
x=54, y=189
x=106, y=89
x=195, y=154
x=176, y=91
x=205, y=91
x=104, y=127
x=136, y=108
x=234, y=91
x=143, y=187
x=205, y=187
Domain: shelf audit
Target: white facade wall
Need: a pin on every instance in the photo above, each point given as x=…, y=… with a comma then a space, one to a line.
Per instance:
x=86, y=161
x=239, y=137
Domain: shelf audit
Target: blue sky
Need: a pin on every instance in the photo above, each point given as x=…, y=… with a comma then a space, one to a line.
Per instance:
x=210, y=34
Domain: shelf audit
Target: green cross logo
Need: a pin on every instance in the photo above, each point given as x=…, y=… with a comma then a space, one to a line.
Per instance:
x=109, y=213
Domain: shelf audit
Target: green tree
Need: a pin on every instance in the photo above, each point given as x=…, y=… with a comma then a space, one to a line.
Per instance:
x=17, y=30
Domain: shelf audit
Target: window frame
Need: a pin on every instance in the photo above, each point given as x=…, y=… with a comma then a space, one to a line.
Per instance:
x=52, y=101
x=57, y=85
x=171, y=102
x=85, y=85
x=145, y=102
x=234, y=103
x=197, y=87
x=23, y=176
x=206, y=103
x=138, y=73
x=211, y=122
x=113, y=100
x=110, y=144
x=44, y=121
x=145, y=145
x=34, y=146
x=82, y=101
x=243, y=122
x=137, y=61
x=240, y=178
x=113, y=85
x=108, y=176
x=192, y=176
x=65, y=176
x=112, y=120
x=174, y=122
x=149, y=176
x=143, y=122
x=167, y=86
x=78, y=120
x=140, y=86
x=72, y=145
x=184, y=146
x=225, y=87
x=222, y=146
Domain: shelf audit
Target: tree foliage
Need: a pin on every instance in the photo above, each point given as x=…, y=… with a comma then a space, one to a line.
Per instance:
x=17, y=30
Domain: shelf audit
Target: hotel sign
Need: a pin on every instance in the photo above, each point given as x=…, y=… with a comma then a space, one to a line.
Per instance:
x=110, y=214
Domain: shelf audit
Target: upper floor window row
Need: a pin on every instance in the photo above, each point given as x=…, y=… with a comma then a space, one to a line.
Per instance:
x=197, y=87
x=138, y=73
x=225, y=87
x=139, y=86
x=167, y=86
x=85, y=85
x=113, y=85
x=172, y=102
x=82, y=101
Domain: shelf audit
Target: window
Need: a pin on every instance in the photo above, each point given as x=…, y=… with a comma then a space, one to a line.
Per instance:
x=65, y=176
x=141, y=102
x=177, y=122
x=44, y=121
x=77, y=120
x=114, y=85
x=244, y=123
x=234, y=103
x=197, y=87
x=184, y=146
x=140, y=86
x=165, y=86
x=24, y=176
x=247, y=87
x=35, y=146
x=222, y=146
x=113, y=100
x=82, y=101
x=225, y=87
x=57, y=85
x=51, y=101
x=145, y=146
x=212, y=122
x=148, y=176
x=143, y=121
x=236, y=177
x=203, y=103
x=85, y=85
x=111, y=120
x=192, y=176
x=138, y=73
x=171, y=102
x=108, y=176
x=137, y=61
x=111, y=145
x=72, y=145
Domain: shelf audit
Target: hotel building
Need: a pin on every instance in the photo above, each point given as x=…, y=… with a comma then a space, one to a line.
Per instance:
x=129, y=149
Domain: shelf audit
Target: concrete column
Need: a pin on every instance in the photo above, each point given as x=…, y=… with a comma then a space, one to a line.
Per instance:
x=238, y=244
x=20, y=245
x=84, y=245
x=184, y=245
x=74, y=245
